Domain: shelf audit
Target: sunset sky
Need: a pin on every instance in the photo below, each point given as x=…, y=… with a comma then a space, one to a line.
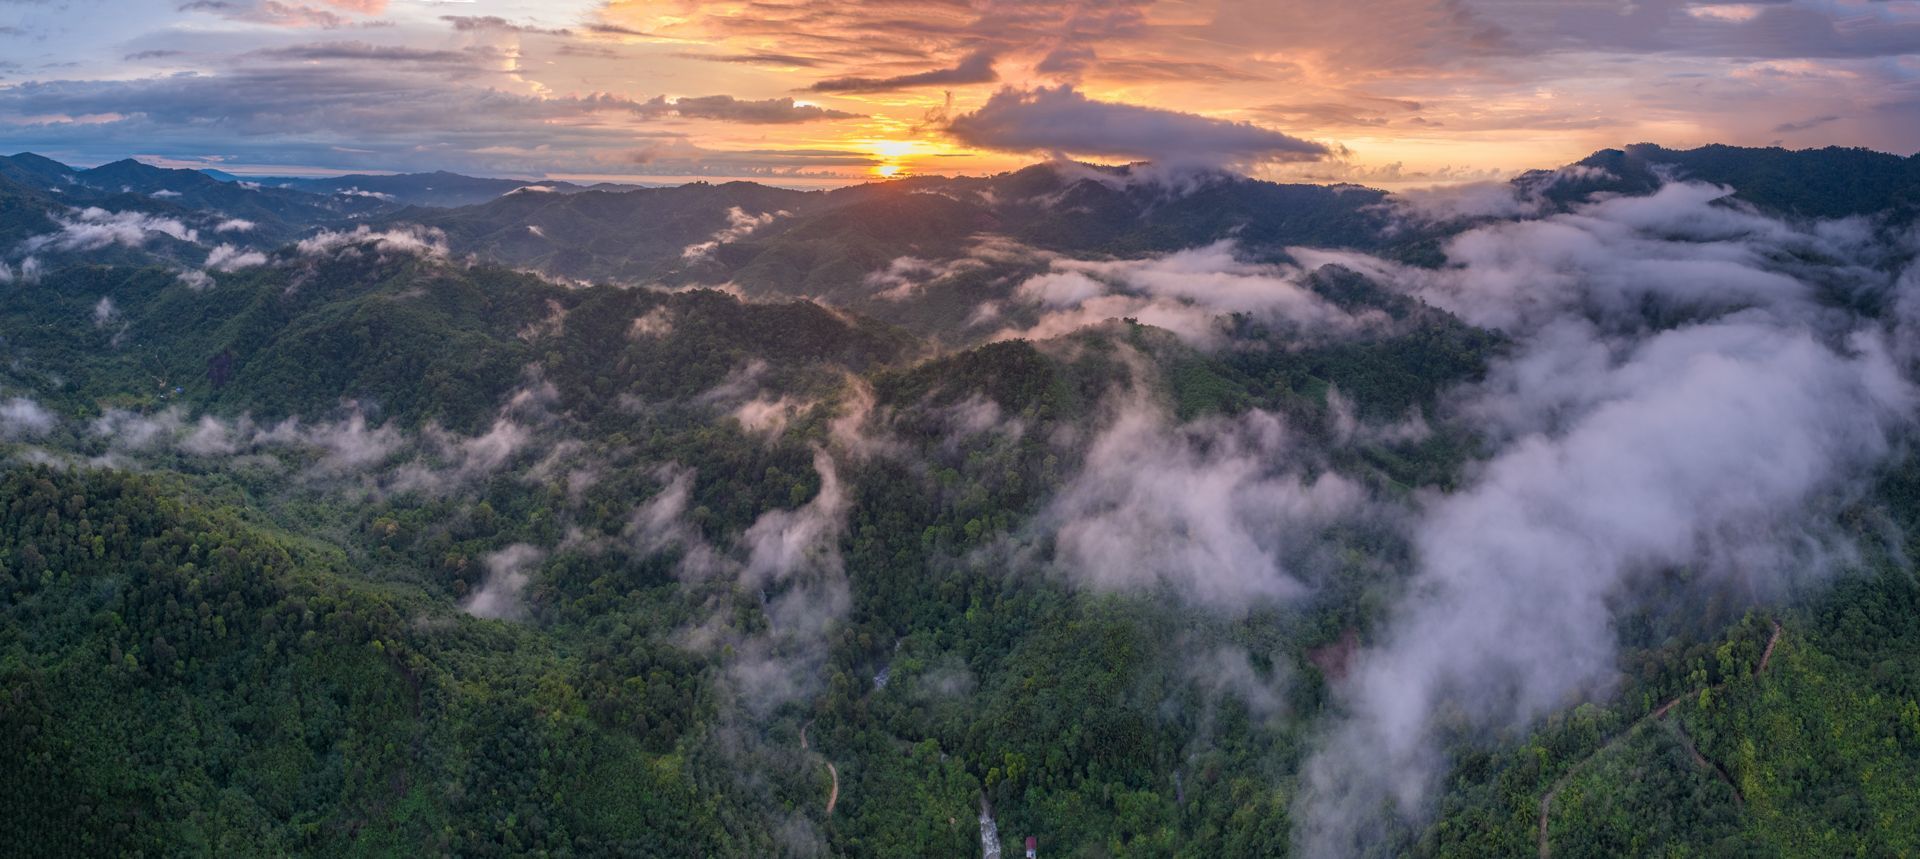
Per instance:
x=1384, y=92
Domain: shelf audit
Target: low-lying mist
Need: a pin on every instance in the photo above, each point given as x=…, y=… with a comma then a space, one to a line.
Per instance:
x=1683, y=383
x=1689, y=389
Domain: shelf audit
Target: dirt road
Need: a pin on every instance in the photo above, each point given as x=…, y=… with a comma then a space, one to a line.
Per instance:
x=833, y=792
x=1546, y=802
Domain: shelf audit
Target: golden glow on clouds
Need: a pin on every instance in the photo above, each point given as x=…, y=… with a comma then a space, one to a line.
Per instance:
x=810, y=91
x=1730, y=12
x=1199, y=57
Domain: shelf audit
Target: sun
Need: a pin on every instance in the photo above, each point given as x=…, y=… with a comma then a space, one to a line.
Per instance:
x=892, y=155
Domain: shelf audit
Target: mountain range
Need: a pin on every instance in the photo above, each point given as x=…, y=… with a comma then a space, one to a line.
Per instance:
x=1147, y=512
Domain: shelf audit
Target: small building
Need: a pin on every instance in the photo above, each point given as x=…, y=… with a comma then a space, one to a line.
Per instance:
x=1033, y=847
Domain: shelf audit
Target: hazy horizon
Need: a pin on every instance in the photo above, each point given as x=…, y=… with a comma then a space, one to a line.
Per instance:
x=793, y=183
x=1387, y=92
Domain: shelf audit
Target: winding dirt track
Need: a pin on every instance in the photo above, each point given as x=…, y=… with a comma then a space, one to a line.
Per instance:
x=1767, y=656
x=1546, y=802
x=1701, y=761
x=833, y=792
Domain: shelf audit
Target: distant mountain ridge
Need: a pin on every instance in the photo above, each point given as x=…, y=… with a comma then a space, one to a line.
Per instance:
x=837, y=244
x=439, y=188
x=657, y=521
x=1833, y=182
x=44, y=187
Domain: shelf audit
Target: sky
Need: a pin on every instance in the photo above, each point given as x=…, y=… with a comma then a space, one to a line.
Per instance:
x=1390, y=93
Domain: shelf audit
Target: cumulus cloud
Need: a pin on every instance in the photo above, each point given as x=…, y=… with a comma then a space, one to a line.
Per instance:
x=1063, y=120
x=234, y=225
x=1720, y=442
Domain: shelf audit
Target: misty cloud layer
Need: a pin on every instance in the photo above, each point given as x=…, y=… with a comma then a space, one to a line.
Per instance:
x=417, y=241
x=1720, y=441
x=23, y=418
x=739, y=226
x=1184, y=292
x=788, y=559
x=508, y=572
x=1214, y=510
x=94, y=228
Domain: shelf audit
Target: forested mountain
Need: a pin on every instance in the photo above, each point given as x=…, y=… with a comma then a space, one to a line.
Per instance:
x=1146, y=512
x=1824, y=183
x=122, y=185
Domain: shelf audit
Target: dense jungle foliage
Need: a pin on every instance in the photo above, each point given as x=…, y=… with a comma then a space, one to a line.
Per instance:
x=245, y=525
